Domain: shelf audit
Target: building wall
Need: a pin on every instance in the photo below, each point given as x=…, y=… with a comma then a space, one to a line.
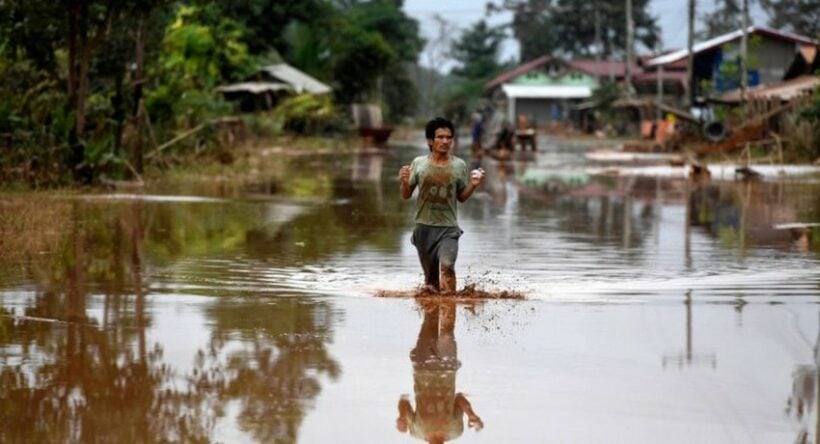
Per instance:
x=540, y=112
x=768, y=58
x=569, y=78
x=774, y=57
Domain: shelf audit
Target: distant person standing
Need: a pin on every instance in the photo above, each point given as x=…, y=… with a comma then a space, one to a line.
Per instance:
x=525, y=133
x=477, y=133
x=442, y=180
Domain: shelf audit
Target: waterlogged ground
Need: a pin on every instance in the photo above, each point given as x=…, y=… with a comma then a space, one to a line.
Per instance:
x=277, y=308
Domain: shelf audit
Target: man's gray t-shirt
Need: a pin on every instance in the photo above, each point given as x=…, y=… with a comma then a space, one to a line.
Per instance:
x=439, y=187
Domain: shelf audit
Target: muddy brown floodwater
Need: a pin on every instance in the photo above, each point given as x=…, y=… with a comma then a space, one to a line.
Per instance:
x=631, y=307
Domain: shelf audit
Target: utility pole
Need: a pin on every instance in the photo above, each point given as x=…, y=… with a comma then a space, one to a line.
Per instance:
x=599, y=47
x=744, y=51
x=659, y=73
x=630, y=31
x=690, y=90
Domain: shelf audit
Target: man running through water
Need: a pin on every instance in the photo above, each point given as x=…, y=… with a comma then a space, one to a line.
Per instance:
x=442, y=179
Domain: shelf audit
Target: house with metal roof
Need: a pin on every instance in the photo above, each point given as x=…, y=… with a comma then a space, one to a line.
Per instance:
x=299, y=81
x=548, y=88
x=771, y=58
x=265, y=88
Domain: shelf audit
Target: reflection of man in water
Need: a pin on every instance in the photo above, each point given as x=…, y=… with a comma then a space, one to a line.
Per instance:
x=439, y=412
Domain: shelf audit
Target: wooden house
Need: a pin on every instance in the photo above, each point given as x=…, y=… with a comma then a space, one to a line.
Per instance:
x=773, y=56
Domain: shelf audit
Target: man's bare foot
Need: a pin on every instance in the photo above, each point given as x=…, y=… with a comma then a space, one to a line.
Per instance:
x=428, y=289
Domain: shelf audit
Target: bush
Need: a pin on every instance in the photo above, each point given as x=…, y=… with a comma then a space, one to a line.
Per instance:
x=308, y=114
x=262, y=124
x=804, y=131
x=812, y=112
x=804, y=138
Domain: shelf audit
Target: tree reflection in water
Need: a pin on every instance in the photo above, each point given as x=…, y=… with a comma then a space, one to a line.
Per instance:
x=275, y=371
x=70, y=372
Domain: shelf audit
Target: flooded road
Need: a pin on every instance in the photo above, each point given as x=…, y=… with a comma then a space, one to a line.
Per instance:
x=656, y=308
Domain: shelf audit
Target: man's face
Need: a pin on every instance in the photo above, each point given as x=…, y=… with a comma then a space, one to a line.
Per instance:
x=442, y=140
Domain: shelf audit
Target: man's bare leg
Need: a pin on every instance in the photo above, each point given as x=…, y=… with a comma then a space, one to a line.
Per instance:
x=448, y=280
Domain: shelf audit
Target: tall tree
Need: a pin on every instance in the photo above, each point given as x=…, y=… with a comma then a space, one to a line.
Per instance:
x=264, y=20
x=725, y=17
x=387, y=20
x=567, y=27
x=360, y=58
x=365, y=54
x=199, y=51
x=798, y=16
x=477, y=51
x=427, y=75
x=76, y=58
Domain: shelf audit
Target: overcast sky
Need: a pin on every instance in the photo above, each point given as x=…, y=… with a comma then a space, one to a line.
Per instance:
x=671, y=15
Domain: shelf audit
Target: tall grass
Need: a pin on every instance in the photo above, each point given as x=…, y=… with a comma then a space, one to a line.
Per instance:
x=31, y=226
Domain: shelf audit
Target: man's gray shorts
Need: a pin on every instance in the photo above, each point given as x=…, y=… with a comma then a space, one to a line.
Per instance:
x=437, y=247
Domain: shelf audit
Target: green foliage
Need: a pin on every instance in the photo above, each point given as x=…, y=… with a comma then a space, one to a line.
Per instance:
x=804, y=132
x=263, y=21
x=309, y=49
x=462, y=98
x=307, y=114
x=811, y=113
x=798, y=16
x=36, y=73
x=8, y=119
x=542, y=26
x=477, y=51
x=400, y=94
x=725, y=17
x=262, y=124
x=354, y=50
x=604, y=95
x=372, y=43
x=196, y=57
x=61, y=110
x=200, y=55
x=386, y=18
x=196, y=106
x=33, y=30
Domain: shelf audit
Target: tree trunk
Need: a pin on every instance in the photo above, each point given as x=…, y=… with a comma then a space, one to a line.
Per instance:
x=77, y=28
x=81, y=45
x=137, y=154
x=72, y=50
x=82, y=69
x=117, y=103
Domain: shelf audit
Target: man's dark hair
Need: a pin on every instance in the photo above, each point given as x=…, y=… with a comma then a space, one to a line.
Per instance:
x=438, y=122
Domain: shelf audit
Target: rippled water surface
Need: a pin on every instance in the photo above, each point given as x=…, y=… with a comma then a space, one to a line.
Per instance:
x=656, y=309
